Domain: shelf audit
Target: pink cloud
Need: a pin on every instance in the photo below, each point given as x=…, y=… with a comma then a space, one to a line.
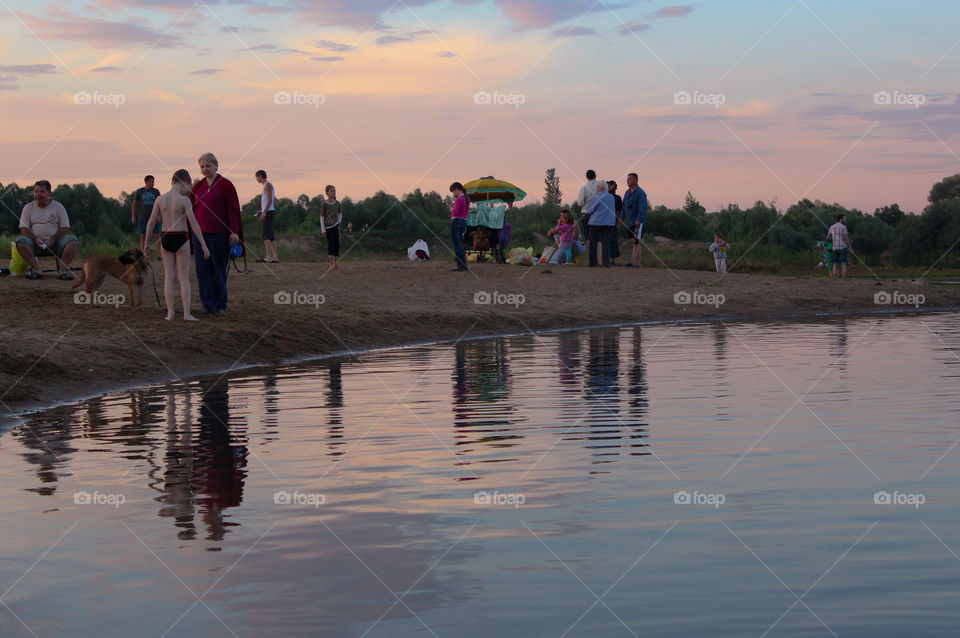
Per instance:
x=102, y=34
x=675, y=11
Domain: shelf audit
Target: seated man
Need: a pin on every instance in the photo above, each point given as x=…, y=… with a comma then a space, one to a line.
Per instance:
x=45, y=229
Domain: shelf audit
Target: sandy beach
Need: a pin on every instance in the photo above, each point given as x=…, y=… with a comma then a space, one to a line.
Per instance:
x=56, y=350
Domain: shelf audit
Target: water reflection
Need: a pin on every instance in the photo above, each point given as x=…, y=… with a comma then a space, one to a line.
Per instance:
x=566, y=418
x=481, y=405
x=334, y=404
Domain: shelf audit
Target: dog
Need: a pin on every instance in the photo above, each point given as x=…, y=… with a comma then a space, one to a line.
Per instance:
x=130, y=268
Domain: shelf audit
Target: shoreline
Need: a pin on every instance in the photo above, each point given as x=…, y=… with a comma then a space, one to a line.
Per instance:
x=123, y=350
x=30, y=410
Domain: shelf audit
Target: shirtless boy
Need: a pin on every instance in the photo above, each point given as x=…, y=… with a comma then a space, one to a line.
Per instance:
x=175, y=211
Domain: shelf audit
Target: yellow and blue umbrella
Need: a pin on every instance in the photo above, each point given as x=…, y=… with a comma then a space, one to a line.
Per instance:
x=489, y=189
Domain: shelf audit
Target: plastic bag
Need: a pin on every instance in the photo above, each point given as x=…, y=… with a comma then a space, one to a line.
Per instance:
x=18, y=265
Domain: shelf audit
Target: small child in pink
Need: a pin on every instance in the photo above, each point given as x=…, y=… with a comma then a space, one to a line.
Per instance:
x=564, y=228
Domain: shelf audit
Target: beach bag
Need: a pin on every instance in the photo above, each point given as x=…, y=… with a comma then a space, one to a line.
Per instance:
x=547, y=254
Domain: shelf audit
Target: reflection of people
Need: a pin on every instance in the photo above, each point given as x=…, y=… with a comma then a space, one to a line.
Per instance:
x=637, y=393
x=180, y=465
x=220, y=463
x=176, y=213
x=481, y=390
x=602, y=389
x=217, y=207
x=45, y=228
x=335, y=406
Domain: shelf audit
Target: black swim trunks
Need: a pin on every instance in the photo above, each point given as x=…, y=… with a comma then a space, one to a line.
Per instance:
x=173, y=241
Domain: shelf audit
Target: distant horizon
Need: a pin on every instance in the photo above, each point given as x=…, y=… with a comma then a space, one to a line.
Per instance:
x=850, y=103
x=529, y=200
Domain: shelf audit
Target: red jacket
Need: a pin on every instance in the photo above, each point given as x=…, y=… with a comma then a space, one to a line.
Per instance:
x=217, y=207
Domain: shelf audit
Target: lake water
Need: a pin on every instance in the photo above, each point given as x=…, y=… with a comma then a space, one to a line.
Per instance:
x=794, y=479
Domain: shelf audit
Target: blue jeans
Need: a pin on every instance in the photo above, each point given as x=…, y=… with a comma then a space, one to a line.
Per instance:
x=212, y=273
x=457, y=226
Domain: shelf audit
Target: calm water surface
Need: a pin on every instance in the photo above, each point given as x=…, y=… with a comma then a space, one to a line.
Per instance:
x=674, y=480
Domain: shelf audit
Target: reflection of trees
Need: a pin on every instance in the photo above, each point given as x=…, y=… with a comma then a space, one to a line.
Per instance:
x=481, y=392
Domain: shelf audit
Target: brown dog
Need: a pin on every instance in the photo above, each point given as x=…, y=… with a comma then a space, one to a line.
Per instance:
x=129, y=268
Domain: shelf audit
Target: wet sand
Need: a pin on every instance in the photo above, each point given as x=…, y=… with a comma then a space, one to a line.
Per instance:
x=56, y=350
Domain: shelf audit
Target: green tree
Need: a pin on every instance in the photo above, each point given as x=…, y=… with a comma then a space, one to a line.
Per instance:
x=947, y=188
x=553, y=197
x=691, y=206
x=890, y=215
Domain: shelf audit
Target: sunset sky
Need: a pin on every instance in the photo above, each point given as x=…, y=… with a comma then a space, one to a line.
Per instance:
x=372, y=95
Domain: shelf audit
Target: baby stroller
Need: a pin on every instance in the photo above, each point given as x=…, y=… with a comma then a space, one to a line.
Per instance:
x=485, y=230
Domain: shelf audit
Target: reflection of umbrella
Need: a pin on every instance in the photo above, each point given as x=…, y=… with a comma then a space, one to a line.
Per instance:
x=488, y=189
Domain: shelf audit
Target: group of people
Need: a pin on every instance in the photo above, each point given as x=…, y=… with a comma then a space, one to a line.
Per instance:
x=201, y=219
x=603, y=211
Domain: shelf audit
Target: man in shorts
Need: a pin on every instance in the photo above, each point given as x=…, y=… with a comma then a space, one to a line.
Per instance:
x=839, y=239
x=45, y=229
x=268, y=215
x=142, y=207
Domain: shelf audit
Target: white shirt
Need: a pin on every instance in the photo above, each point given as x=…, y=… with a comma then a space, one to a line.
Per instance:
x=263, y=198
x=587, y=191
x=44, y=222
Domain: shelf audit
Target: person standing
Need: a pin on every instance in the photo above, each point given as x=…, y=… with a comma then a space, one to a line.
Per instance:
x=614, y=239
x=587, y=191
x=840, y=238
x=330, y=218
x=141, y=209
x=176, y=212
x=217, y=209
x=268, y=215
x=603, y=217
x=458, y=223
x=719, y=249
x=45, y=227
x=634, y=216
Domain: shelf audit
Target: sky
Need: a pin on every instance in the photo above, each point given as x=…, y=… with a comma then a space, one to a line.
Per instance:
x=736, y=101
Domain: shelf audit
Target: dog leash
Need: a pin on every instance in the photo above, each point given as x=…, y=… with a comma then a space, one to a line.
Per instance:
x=153, y=278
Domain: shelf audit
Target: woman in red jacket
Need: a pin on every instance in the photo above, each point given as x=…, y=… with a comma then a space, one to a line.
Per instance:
x=217, y=209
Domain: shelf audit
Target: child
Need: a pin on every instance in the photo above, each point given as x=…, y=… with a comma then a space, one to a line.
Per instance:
x=175, y=212
x=564, y=228
x=719, y=250
x=330, y=218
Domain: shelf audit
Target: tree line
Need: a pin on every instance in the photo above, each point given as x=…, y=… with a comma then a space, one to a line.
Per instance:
x=384, y=223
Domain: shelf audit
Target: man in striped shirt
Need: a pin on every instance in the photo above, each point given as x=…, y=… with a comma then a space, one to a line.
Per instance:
x=841, y=246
